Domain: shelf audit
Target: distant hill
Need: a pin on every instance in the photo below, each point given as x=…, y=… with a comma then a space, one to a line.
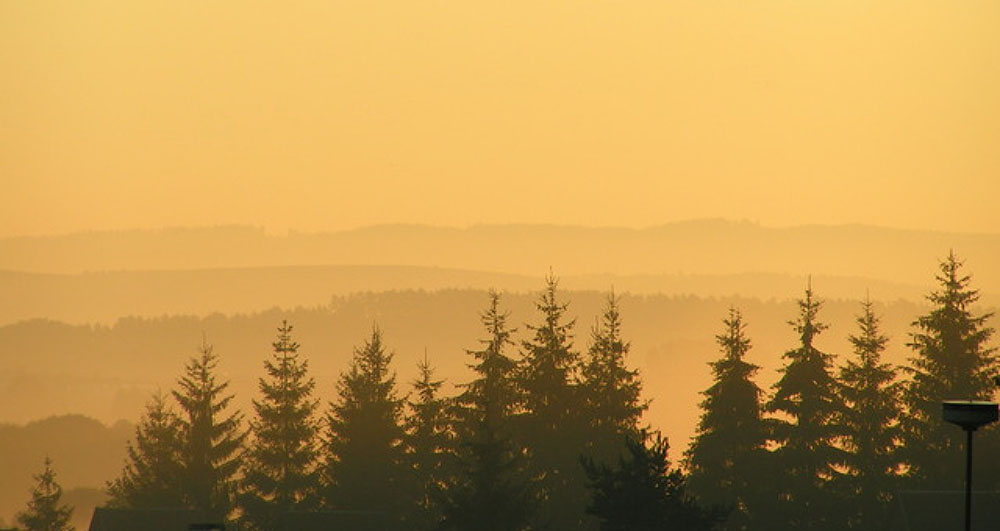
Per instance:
x=705, y=247
x=103, y=297
x=101, y=276
x=85, y=454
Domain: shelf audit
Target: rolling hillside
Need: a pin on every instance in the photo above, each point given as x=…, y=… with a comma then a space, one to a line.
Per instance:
x=706, y=247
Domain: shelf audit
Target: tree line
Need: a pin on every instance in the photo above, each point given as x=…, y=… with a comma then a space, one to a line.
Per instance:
x=545, y=436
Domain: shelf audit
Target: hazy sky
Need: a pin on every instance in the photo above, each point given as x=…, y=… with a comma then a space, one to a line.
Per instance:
x=335, y=114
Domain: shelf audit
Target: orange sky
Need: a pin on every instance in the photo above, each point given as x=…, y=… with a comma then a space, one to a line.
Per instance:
x=335, y=114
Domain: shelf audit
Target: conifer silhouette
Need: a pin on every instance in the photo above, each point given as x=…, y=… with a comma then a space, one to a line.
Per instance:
x=643, y=493
x=806, y=430
x=871, y=396
x=952, y=362
x=726, y=457
x=429, y=441
x=365, y=468
x=211, y=440
x=489, y=490
x=610, y=391
x=152, y=474
x=554, y=427
x=280, y=470
x=45, y=511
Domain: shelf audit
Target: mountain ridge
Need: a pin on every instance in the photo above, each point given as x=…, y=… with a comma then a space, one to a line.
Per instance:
x=702, y=246
x=104, y=297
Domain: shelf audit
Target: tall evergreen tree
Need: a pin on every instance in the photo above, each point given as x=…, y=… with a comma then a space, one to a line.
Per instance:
x=554, y=426
x=211, y=440
x=642, y=493
x=806, y=429
x=493, y=396
x=953, y=361
x=429, y=442
x=45, y=511
x=280, y=472
x=609, y=389
x=872, y=408
x=726, y=457
x=366, y=467
x=151, y=477
x=488, y=492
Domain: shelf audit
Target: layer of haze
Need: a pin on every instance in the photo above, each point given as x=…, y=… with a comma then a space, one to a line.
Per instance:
x=328, y=115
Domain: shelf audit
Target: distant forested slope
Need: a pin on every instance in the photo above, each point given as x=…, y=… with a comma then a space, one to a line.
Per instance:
x=103, y=297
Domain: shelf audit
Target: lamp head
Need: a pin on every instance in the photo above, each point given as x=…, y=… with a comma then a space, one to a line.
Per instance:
x=969, y=414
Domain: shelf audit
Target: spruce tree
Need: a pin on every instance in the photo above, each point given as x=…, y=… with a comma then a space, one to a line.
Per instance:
x=872, y=409
x=488, y=492
x=726, y=457
x=493, y=396
x=609, y=390
x=643, y=493
x=806, y=430
x=554, y=425
x=211, y=440
x=151, y=477
x=429, y=443
x=280, y=469
x=953, y=361
x=45, y=511
x=366, y=467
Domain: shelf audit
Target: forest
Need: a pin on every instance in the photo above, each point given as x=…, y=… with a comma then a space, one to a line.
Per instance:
x=549, y=436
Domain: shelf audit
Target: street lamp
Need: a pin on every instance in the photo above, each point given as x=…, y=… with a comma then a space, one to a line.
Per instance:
x=970, y=416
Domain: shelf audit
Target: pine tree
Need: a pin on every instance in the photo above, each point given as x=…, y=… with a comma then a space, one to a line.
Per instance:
x=806, y=430
x=609, y=390
x=494, y=396
x=430, y=444
x=488, y=492
x=952, y=361
x=151, y=477
x=280, y=472
x=211, y=441
x=726, y=457
x=554, y=427
x=45, y=512
x=642, y=493
x=366, y=467
x=872, y=409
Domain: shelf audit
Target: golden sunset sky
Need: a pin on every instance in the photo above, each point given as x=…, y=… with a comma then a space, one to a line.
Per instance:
x=337, y=114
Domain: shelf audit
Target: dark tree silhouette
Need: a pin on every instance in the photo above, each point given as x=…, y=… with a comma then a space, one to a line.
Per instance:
x=806, y=430
x=488, y=492
x=493, y=396
x=429, y=441
x=151, y=477
x=726, y=458
x=642, y=493
x=280, y=469
x=872, y=408
x=554, y=427
x=45, y=511
x=952, y=361
x=366, y=467
x=211, y=440
x=609, y=389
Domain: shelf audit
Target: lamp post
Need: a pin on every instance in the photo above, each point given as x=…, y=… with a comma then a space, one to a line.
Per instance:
x=970, y=416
